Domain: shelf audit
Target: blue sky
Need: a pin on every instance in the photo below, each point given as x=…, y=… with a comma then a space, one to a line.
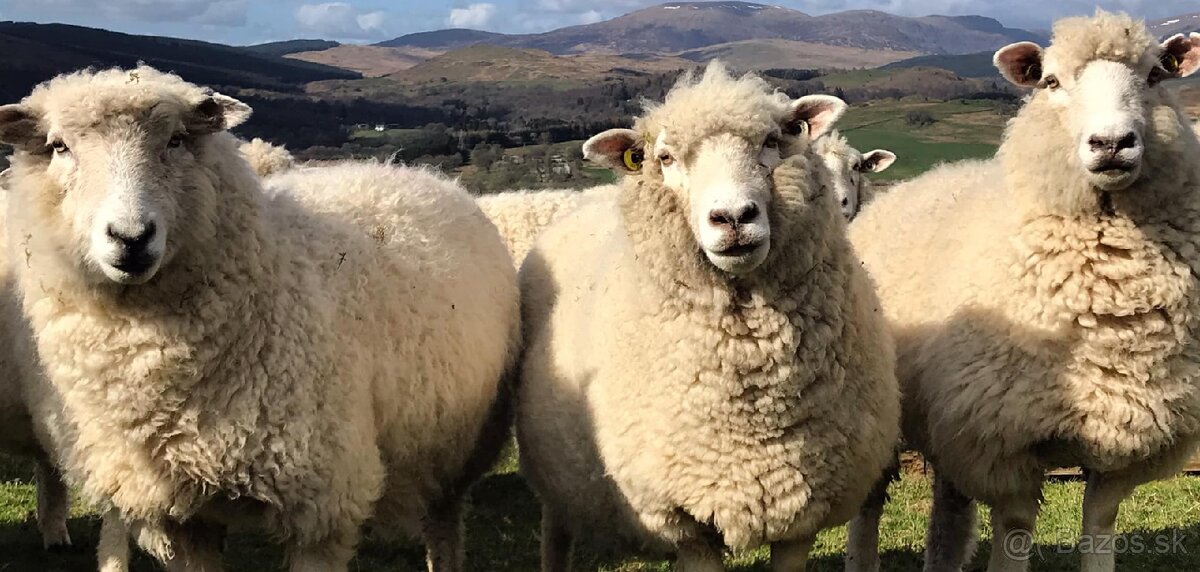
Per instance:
x=253, y=21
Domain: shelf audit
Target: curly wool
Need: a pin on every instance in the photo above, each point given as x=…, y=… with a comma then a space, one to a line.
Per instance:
x=661, y=399
x=266, y=159
x=336, y=340
x=1035, y=326
x=521, y=216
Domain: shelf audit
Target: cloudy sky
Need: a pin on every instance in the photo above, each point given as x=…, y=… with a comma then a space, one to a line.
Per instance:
x=253, y=21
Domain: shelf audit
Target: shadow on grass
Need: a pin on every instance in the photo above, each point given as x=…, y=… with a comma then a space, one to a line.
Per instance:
x=502, y=533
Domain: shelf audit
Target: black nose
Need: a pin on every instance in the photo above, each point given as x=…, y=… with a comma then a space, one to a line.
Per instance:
x=134, y=241
x=733, y=217
x=1112, y=145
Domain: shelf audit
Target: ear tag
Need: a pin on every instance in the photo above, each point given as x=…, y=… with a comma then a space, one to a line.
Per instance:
x=633, y=159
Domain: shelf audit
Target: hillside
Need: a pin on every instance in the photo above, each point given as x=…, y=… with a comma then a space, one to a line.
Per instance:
x=966, y=65
x=766, y=54
x=291, y=47
x=370, y=61
x=683, y=26
x=499, y=64
x=36, y=52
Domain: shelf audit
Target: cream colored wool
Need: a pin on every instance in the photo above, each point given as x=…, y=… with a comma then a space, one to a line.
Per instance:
x=17, y=435
x=521, y=216
x=1036, y=326
x=265, y=158
x=665, y=400
x=308, y=356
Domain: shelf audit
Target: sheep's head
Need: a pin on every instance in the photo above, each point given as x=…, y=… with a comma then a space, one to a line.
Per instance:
x=848, y=168
x=111, y=160
x=714, y=142
x=1101, y=76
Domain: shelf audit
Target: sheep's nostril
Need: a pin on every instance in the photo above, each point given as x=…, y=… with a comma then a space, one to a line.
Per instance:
x=136, y=239
x=1127, y=142
x=748, y=214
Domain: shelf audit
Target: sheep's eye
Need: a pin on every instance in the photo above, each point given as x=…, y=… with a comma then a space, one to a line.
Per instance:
x=772, y=142
x=59, y=146
x=665, y=158
x=1050, y=82
x=175, y=141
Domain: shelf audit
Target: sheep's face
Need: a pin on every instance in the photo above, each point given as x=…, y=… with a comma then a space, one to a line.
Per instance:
x=848, y=168
x=722, y=177
x=121, y=187
x=1105, y=104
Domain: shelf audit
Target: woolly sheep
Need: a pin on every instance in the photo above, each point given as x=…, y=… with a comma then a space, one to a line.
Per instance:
x=265, y=158
x=1044, y=303
x=298, y=359
x=520, y=216
x=848, y=167
x=705, y=364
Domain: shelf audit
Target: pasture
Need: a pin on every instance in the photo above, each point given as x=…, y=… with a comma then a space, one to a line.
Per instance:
x=1160, y=528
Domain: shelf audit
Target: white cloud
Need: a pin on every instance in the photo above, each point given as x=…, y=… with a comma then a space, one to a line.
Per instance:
x=590, y=17
x=475, y=16
x=207, y=12
x=341, y=20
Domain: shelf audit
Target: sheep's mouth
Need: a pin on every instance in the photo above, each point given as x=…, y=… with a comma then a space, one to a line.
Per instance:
x=1115, y=175
x=741, y=257
x=739, y=250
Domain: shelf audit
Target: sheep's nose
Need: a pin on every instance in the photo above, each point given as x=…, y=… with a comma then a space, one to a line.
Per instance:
x=137, y=239
x=732, y=217
x=1112, y=145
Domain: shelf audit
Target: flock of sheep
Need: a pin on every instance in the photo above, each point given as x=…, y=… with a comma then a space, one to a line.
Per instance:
x=201, y=336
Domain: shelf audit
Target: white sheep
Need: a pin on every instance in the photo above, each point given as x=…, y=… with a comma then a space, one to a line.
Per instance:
x=849, y=167
x=706, y=365
x=266, y=159
x=301, y=359
x=1044, y=304
x=520, y=216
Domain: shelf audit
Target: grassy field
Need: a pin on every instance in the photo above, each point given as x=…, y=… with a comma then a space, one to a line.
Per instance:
x=963, y=129
x=1162, y=518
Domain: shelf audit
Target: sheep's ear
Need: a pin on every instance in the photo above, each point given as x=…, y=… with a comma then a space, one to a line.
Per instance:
x=1181, y=55
x=217, y=113
x=1020, y=63
x=621, y=150
x=19, y=126
x=876, y=161
x=813, y=115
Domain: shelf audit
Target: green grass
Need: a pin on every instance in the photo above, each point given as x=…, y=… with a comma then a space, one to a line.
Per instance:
x=503, y=535
x=964, y=129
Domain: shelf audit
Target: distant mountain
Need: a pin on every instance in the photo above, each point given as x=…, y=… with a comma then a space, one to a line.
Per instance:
x=767, y=54
x=445, y=40
x=291, y=47
x=965, y=65
x=1182, y=24
x=36, y=52
x=487, y=64
x=370, y=61
x=682, y=26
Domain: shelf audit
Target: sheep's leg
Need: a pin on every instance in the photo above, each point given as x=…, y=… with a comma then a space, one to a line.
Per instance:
x=950, y=542
x=112, y=553
x=53, y=505
x=862, y=550
x=791, y=555
x=556, y=543
x=443, y=534
x=1013, y=524
x=190, y=547
x=699, y=557
x=1101, y=502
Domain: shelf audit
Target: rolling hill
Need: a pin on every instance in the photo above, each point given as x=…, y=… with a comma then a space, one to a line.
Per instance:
x=36, y=52
x=683, y=26
x=484, y=63
x=966, y=65
x=766, y=54
x=291, y=47
x=370, y=61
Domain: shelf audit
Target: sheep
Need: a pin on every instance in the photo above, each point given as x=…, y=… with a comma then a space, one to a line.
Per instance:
x=1044, y=302
x=300, y=357
x=849, y=167
x=705, y=362
x=266, y=159
x=520, y=216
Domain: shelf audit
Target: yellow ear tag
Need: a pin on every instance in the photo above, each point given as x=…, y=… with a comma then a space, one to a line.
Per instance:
x=1170, y=63
x=633, y=159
